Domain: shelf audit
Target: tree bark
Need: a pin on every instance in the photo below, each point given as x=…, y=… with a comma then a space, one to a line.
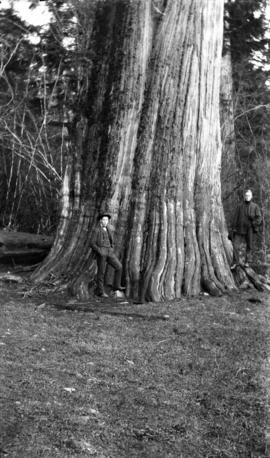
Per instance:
x=147, y=148
x=229, y=169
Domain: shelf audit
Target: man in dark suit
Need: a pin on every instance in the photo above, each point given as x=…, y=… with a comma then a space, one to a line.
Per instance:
x=246, y=222
x=102, y=245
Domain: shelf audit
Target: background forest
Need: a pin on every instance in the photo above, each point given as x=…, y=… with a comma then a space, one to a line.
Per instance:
x=42, y=85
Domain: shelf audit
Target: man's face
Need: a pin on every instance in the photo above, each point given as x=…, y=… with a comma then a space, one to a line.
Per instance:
x=248, y=196
x=104, y=221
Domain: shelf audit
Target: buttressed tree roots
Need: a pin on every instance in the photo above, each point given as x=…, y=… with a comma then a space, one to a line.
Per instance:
x=145, y=145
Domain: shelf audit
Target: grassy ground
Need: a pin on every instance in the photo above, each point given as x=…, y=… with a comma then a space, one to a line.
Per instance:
x=187, y=379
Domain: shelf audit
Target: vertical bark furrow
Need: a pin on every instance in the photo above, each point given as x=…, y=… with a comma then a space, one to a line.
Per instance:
x=153, y=233
x=155, y=285
x=229, y=169
x=179, y=243
x=169, y=274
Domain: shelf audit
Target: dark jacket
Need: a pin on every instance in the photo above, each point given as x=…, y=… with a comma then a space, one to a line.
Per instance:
x=99, y=240
x=248, y=215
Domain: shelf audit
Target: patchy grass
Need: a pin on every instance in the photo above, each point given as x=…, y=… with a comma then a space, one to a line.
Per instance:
x=80, y=380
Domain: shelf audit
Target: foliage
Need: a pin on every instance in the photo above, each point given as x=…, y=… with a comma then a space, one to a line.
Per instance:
x=30, y=177
x=246, y=27
x=41, y=88
x=250, y=46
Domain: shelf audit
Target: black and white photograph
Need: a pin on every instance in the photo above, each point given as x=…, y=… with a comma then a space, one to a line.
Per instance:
x=135, y=228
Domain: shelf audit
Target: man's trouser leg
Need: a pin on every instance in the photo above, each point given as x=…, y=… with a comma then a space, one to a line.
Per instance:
x=249, y=240
x=239, y=246
x=101, y=265
x=235, y=243
x=116, y=264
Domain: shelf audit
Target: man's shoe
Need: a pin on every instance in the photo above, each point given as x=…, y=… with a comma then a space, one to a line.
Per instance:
x=120, y=288
x=246, y=264
x=103, y=295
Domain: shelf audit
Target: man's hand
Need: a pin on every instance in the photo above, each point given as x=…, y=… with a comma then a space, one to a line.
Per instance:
x=231, y=234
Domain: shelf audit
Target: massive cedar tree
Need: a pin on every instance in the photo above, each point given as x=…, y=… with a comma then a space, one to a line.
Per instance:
x=147, y=148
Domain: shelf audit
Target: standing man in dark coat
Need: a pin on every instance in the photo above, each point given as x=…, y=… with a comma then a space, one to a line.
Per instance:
x=246, y=222
x=102, y=245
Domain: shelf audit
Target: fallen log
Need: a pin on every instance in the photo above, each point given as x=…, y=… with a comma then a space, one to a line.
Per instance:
x=23, y=245
x=11, y=278
x=246, y=277
x=254, y=278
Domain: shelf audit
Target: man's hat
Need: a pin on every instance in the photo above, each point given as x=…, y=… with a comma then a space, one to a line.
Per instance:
x=104, y=214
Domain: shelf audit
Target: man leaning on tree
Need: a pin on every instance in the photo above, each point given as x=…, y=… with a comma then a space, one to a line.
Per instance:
x=103, y=246
x=246, y=222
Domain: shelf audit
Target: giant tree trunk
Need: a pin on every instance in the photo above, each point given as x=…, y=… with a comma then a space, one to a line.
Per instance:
x=148, y=149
